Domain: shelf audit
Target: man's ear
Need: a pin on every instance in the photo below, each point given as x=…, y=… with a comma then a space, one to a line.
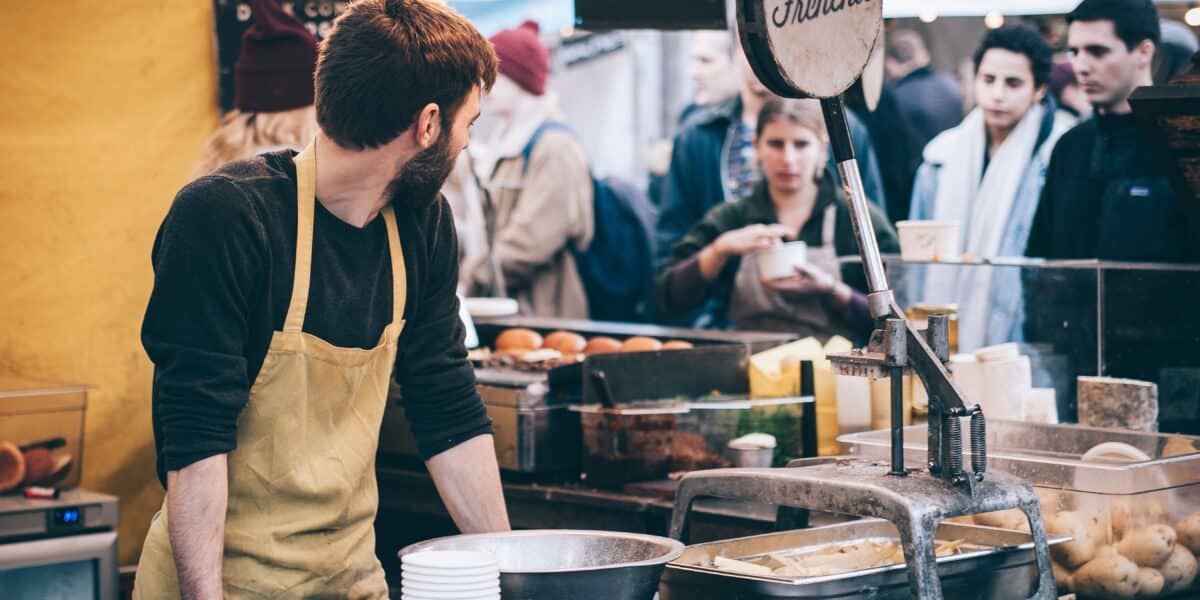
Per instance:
x=1145, y=52
x=1040, y=93
x=429, y=125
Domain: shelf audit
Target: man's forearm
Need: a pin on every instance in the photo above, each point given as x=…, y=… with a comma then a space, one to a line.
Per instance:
x=196, y=498
x=468, y=480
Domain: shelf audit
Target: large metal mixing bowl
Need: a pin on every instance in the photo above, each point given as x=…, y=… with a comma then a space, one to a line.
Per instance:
x=565, y=563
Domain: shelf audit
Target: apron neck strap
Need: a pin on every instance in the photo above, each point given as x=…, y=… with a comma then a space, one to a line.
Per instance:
x=399, y=272
x=829, y=225
x=306, y=180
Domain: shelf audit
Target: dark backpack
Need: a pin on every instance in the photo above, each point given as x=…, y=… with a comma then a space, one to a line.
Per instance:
x=617, y=269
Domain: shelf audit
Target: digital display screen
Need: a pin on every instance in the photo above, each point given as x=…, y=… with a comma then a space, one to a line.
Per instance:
x=67, y=517
x=655, y=14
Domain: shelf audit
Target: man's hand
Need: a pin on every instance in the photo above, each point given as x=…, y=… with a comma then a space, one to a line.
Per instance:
x=468, y=480
x=196, y=498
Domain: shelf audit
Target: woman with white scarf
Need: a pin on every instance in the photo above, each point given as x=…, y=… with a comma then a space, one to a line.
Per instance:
x=987, y=174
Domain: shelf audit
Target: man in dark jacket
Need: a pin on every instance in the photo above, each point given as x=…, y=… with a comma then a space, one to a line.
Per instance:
x=713, y=161
x=1107, y=196
x=1107, y=193
x=931, y=102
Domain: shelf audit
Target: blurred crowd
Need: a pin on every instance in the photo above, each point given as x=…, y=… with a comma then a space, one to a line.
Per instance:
x=1035, y=154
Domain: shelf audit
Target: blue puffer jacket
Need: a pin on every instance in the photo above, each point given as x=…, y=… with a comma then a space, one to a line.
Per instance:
x=696, y=181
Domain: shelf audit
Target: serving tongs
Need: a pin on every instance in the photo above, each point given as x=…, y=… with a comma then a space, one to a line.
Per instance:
x=801, y=55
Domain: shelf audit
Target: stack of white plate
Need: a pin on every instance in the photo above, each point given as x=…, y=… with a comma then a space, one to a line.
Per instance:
x=450, y=575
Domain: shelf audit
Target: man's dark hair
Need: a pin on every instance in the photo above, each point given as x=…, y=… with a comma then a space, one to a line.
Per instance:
x=385, y=60
x=903, y=45
x=1133, y=20
x=1024, y=40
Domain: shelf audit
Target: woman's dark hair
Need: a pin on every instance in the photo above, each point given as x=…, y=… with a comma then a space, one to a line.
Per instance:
x=1133, y=20
x=1024, y=40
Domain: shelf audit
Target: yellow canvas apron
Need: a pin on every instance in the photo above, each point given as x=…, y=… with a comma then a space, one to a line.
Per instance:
x=302, y=491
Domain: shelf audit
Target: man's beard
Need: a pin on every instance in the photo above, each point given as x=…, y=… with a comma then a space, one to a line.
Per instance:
x=419, y=181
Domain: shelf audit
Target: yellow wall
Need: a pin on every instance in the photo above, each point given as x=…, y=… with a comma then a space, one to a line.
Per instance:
x=103, y=107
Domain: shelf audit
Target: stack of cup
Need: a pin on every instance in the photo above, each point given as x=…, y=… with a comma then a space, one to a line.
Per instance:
x=450, y=575
x=1006, y=381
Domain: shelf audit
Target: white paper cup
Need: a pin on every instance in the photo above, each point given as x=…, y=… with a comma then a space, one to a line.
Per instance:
x=781, y=261
x=998, y=353
x=1042, y=406
x=853, y=403
x=1006, y=388
x=968, y=376
x=928, y=240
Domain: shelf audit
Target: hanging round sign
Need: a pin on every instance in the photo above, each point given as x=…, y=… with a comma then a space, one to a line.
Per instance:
x=809, y=48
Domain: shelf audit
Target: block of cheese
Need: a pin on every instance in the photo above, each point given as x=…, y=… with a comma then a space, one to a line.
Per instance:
x=825, y=386
x=775, y=373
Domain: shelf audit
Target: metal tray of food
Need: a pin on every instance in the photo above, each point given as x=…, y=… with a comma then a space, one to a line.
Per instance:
x=985, y=563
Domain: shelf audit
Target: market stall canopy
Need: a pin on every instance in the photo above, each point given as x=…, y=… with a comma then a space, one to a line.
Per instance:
x=899, y=9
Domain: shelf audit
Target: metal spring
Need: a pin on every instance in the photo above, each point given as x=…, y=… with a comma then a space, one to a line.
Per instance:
x=978, y=441
x=954, y=432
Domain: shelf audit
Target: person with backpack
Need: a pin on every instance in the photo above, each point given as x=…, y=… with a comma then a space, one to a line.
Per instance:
x=797, y=200
x=538, y=200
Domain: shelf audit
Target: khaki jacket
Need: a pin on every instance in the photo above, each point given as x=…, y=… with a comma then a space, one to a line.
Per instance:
x=537, y=214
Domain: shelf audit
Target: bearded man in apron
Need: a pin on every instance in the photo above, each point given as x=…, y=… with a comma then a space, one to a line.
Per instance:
x=288, y=289
x=798, y=200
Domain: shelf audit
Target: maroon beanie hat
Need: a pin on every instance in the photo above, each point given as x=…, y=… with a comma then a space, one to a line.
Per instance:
x=523, y=57
x=1061, y=77
x=274, y=71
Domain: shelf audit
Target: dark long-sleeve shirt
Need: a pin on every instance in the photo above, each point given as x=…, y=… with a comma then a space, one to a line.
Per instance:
x=1108, y=196
x=931, y=102
x=223, y=263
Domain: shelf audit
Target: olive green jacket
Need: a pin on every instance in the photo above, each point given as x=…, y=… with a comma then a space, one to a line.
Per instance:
x=758, y=208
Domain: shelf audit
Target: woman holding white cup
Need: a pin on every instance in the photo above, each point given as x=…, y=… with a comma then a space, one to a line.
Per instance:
x=770, y=259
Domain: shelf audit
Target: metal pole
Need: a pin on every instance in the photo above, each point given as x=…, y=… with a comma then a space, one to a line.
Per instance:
x=880, y=297
x=897, y=421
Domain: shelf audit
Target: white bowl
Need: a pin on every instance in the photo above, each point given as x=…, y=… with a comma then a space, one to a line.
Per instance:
x=449, y=579
x=450, y=590
x=455, y=574
x=450, y=596
x=491, y=307
x=457, y=560
x=781, y=261
x=450, y=586
x=928, y=240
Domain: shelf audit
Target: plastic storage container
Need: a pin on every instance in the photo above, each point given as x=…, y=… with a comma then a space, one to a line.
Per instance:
x=647, y=441
x=707, y=428
x=45, y=420
x=627, y=443
x=1130, y=500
